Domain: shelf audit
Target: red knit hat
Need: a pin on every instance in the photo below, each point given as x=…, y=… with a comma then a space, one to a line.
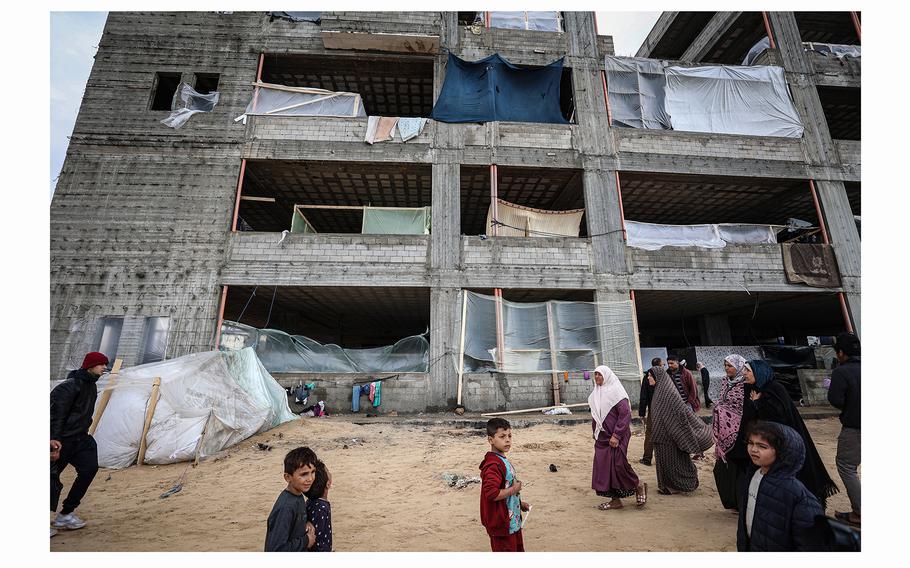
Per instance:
x=94, y=358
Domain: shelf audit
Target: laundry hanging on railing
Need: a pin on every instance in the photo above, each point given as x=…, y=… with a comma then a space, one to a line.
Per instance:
x=494, y=89
x=652, y=236
x=718, y=99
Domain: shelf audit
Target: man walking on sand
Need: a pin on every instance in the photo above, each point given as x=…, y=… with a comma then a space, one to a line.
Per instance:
x=72, y=406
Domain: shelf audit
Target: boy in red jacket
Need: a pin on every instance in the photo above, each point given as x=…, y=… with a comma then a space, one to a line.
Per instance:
x=500, y=505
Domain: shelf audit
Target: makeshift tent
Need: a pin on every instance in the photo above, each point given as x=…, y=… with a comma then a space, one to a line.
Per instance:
x=540, y=337
x=281, y=100
x=206, y=403
x=376, y=220
x=652, y=236
x=636, y=89
x=192, y=103
x=520, y=221
x=494, y=89
x=720, y=99
x=540, y=21
x=284, y=353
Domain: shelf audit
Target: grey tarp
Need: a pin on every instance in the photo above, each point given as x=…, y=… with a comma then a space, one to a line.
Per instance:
x=636, y=89
x=811, y=264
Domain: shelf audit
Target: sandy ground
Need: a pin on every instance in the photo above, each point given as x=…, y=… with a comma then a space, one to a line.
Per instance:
x=388, y=494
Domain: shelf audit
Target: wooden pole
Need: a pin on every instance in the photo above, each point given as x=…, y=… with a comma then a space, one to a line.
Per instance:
x=821, y=223
x=500, y=330
x=105, y=396
x=221, y=305
x=153, y=402
x=464, y=313
x=622, y=213
x=239, y=191
x=580, y=404
x=635, y=331
x=603, y=79
x=856, y=24
x=553, y=359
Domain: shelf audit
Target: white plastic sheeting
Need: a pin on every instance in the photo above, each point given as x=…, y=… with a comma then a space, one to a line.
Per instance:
x=651, y=236
x=648, y=353
x=520, y=221
x=396, y=221
x=284, y=353
x=721, y=99
x=733, y=100
x=551, y=336
x=637, y=88
x=231, y=392
x=836, y=49
x=193, y=103
x=756, y=50
x=281, y=100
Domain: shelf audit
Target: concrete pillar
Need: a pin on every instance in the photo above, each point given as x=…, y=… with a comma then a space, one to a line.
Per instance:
x=445, y=235
x=608, y=250
x=445, y=334
x=820, y=150
x=715, y=330
x=624, y=347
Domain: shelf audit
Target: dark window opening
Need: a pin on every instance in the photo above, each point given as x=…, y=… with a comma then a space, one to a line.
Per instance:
x=827, y=27
x=206, y=83
x=466, y=18
x=165, y=86
x=842, y=111
x=567, y=95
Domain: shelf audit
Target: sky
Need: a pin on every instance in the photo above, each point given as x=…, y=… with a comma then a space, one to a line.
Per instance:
x=75, y=37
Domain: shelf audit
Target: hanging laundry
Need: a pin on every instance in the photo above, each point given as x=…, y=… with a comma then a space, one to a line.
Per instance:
x=378, y=391
x=355, y=399
x=410, y=127
x=365, y=389
x=372, y=392
x=380, y=129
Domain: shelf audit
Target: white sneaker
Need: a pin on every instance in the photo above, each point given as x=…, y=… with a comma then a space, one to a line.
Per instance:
x=70, y=521
x=53, y=532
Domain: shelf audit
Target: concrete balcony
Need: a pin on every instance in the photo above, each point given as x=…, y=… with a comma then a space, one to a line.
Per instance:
x=326, y=259
x=732, y=268
x=526, y=262
x=850, y=153
x=709, y=154
x=512, y=45
x=328, y=138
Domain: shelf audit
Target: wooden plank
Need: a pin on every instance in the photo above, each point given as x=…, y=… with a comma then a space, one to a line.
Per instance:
x=153, y=402
x=553, y=359
x=580, y=404
x=105, y=396
x=464, y=313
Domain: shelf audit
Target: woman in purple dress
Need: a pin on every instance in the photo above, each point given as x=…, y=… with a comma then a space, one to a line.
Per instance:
x=611, y=416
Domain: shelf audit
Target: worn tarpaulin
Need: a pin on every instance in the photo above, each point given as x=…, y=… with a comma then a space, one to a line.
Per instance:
x=729, y=99
x=282, y=100
x=811, y=264
x=494, y=89
x=187, y=102
x=636, y=88
x=520, y=221
x=757, y=49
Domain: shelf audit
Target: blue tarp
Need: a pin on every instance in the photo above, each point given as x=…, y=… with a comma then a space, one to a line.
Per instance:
x=494, y=89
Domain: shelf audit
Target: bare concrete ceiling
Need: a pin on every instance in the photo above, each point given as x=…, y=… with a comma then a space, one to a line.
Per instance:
x=351, y=316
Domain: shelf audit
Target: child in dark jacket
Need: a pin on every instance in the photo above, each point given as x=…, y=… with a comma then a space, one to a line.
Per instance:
x=500, y=505
x=319, y=510
x=287, y=529
x=779, y=512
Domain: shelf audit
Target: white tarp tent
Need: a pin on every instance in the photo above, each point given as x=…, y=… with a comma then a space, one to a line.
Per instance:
x=637, y=88
x=207, y=402
x=520, y=221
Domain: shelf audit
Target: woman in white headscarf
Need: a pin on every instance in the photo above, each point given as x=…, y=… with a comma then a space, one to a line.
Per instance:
x=611, y=416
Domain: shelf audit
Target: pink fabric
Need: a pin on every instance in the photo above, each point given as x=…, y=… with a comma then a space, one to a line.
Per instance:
x=372, y=391
x=728, y=413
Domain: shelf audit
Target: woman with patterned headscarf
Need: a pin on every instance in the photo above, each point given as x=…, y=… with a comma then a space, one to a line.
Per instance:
x=611, y=417
x=677, y=434
x=728, y=429
x=769, y=400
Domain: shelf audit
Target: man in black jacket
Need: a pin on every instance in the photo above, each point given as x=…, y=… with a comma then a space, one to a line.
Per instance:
x=72, y=406
x=844, y=394
x=644, y=408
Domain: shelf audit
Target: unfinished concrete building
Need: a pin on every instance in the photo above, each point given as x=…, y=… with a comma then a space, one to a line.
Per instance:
x=160, y=235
